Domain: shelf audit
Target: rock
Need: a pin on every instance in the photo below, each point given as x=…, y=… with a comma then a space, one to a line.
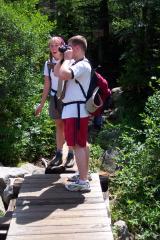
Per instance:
x=9, y=172
x=109, y=162
x=2, y=185
x=16, y=186
x=11, y=190
x=32, y=169
x=11, y=179
x=116, y=109
x=116, y=94
x=2, y=208
x=122, y=230
x=7, y=194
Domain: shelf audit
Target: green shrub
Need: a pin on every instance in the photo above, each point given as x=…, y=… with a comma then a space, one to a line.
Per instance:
x=136, y=188
x=23, y=38
x=95, y=162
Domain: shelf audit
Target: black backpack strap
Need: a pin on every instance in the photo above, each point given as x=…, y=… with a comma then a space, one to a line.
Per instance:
x=52, y=90
x=50, y=66
x=49, y=75
x=84, y=94
x=86, y=60
x=49, y=70
x=82, y=89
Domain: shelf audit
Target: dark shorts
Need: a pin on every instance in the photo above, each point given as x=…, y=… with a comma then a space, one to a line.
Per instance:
x=73, y=135
x=55, y=111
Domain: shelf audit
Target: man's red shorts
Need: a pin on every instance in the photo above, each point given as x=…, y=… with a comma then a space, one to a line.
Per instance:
x=73, y=134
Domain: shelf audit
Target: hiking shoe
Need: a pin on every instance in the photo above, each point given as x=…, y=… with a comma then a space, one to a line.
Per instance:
x=78, y=187
x=57, y=160
x=69, y=161
x=75, y=177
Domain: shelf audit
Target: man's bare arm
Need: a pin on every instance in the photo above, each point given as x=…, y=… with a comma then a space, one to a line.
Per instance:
x=65, y=72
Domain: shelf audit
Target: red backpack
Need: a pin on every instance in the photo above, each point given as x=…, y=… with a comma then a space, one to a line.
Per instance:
x=97, y=95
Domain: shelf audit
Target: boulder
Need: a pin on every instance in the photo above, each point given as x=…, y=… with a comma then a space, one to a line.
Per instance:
x=11, y=179
x=109, y=163
x=122, y=231
x=116, y=94
x=9, y=172
x=32, y=169
x=2, y=208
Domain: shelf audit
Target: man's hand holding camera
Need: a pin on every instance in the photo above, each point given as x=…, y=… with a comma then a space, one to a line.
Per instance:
x=67, y=51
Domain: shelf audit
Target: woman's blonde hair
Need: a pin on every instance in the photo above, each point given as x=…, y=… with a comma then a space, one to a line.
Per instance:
x=58, y=38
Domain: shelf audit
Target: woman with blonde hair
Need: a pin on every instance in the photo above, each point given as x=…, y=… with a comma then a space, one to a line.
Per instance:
x=51, y=86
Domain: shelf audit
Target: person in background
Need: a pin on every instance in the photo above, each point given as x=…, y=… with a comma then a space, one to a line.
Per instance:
x=74, y=114
x=50, y=87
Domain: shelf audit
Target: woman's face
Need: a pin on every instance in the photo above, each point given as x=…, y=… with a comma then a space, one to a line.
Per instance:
x=53, y=46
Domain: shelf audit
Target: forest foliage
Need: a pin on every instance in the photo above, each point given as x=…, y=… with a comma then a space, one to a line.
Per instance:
x=23, y=43
x=124, y=37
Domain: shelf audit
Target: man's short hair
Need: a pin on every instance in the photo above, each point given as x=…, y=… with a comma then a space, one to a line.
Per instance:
x=79, y=40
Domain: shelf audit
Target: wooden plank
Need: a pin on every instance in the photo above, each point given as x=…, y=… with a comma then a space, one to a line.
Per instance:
x=56, y=176
x=4, y=222
x=89, y=228
x=60, y=207
x=77, y=236
x=26, y=222
x=74, y=201
x=6, y=219
x=46, y=192
x=53, y=177
x=46, y=210
x=3, y=234
x=64, y=214
x=59, y=187
x=49, y=183
x=55, y=193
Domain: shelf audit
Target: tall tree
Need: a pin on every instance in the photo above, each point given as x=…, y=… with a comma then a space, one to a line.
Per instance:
x=88, y=18
x=136, y=25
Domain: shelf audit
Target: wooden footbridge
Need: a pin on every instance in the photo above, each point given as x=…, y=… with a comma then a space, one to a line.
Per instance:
x=46, y=210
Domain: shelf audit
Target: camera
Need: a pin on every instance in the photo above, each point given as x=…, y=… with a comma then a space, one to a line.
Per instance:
x=63, y=48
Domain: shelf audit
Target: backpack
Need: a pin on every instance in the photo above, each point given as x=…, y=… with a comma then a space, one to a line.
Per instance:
x=97, y=95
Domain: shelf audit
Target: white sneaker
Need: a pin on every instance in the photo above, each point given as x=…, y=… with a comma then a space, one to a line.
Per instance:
x=75, y=177
x=78, y=187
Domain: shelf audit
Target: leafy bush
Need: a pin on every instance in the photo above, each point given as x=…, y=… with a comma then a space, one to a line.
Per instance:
x=108, y=138
x=23, y=38
x=95, y=158
x=136, y=188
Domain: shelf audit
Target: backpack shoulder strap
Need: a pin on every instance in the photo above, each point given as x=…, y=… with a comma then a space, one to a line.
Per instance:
x=84, y=94
x=49, y=69
x=50, y=65
x=92, y=72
